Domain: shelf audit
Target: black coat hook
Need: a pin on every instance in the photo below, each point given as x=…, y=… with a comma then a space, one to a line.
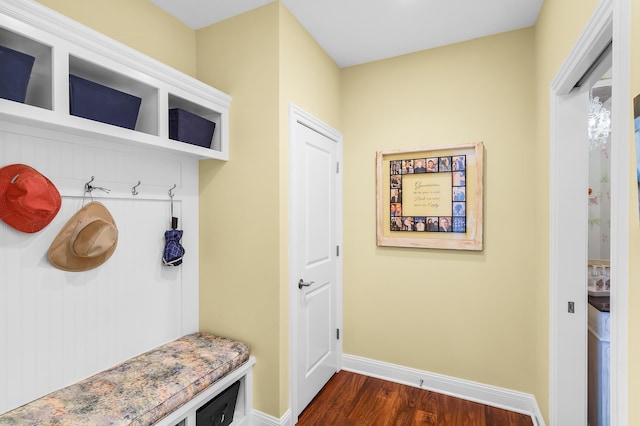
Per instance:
x=134, y=190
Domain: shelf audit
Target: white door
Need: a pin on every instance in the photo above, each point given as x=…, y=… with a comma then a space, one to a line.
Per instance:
x=568, y=261
x=315, y=230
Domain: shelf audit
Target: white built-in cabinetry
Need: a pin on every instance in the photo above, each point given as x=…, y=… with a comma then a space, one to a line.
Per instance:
x=60, y=327
x=599, y=357
x=62, y=47
x=186, y=414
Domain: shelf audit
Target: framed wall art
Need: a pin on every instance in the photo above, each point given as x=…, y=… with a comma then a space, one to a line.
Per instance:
x=430, y=197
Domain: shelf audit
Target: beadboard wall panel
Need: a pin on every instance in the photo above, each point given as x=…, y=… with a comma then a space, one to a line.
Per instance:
x=58, y=327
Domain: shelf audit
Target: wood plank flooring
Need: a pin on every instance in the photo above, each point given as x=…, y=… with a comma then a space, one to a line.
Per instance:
x=351, y=399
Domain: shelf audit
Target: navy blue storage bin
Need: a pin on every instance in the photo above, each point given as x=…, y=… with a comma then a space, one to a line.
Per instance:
x=185, y=126
x=15, y=72
x=96, y=102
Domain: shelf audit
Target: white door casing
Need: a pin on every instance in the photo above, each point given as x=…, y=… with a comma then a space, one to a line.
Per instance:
x=315, y=233
x=567, y=274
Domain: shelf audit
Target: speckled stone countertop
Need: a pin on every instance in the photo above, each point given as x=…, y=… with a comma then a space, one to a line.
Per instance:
x=139, y=391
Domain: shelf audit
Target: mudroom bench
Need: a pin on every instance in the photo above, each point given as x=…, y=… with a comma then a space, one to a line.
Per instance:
x=169, y=385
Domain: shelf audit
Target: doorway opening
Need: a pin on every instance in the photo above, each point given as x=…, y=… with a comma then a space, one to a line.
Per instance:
x=315, y=262
x=569, y=219
x=599, y=237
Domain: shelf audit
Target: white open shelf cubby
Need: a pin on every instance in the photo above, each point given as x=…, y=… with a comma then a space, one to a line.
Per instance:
x=62, y=47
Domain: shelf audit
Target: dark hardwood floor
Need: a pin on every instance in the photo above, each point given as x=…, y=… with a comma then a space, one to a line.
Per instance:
x=354, y=399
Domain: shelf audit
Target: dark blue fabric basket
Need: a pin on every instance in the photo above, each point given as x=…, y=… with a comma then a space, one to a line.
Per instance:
x=96, y=102
x=185, y=126
x=219, y=411
x=15, y=72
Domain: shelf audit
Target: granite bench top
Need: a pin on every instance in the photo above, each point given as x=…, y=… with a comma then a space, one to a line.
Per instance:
x=139, y=391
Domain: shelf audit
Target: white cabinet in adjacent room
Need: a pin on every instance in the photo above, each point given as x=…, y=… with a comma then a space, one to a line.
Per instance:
x=599, y=359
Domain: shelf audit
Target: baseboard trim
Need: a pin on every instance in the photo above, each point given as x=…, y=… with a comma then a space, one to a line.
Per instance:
x=259, y=418
x=507, y=399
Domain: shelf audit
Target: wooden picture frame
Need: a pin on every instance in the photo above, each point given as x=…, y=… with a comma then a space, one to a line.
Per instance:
x=636, y=129
x=430, y=197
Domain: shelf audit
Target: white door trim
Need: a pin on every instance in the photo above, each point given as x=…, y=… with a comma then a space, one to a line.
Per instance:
x=610, y=20
x=620, y=152
x=297, y=115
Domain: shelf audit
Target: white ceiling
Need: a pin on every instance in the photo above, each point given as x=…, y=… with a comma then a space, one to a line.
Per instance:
x=358, y=31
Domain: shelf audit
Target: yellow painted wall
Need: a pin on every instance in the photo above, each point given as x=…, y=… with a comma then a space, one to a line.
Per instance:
x=267, y=61
x=559, y=25
x=310, y=79
x=239, y=199
x=308, y=76
x=139, y=24
x=460, y=313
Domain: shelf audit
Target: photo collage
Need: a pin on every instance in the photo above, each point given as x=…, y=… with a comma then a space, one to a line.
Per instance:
x=456, y=221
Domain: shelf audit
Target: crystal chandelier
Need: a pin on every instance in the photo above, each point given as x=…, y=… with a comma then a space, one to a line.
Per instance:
x=599, y=123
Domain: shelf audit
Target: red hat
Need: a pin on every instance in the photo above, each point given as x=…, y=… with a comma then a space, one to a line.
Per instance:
x=28, y=200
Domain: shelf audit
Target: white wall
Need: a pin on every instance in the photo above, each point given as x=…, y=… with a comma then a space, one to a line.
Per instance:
x=58, y=327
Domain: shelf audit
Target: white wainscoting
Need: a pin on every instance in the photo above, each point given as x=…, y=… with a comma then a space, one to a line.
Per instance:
x=58, y=327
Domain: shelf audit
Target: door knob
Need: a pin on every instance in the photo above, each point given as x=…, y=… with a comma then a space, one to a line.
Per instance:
x=301, y=284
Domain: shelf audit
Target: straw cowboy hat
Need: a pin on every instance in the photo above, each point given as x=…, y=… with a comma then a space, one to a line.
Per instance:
x=28, y=200
x=87, y=240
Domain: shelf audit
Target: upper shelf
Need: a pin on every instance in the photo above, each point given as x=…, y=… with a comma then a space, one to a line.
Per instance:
x=62, y=47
